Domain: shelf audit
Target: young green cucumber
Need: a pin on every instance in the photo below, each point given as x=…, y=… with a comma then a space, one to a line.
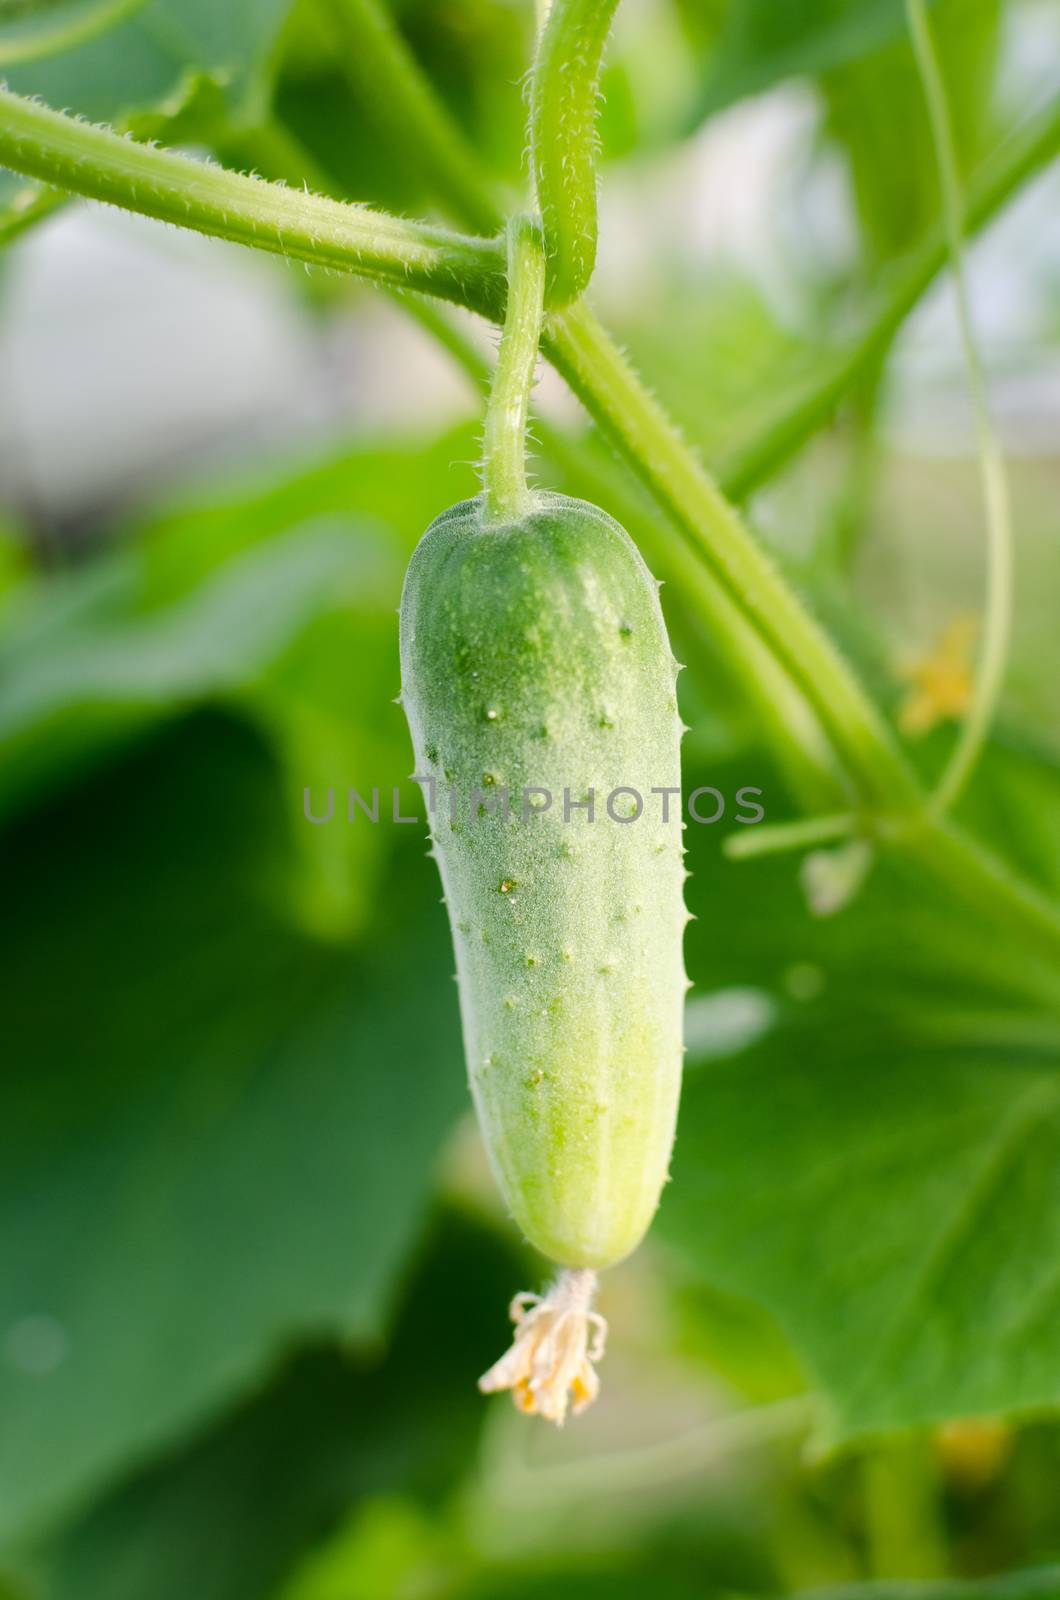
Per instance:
x=539, y=686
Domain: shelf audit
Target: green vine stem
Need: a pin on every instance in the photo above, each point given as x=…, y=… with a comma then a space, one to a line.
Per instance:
x=772, y=838
x=564, y=88
x=103, y=165
x=1024, y=154
x=388, y=82
x=712, y=622
x=998, y=611
x=504, y=443
x=888, y=789
x=635, y=422
x=723, y=640
x=99, y=164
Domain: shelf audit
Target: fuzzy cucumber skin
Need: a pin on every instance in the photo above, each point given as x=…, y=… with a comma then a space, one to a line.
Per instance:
x=534, y=653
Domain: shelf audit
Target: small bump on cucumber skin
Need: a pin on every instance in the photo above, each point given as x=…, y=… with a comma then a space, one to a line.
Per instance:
x=537, y=650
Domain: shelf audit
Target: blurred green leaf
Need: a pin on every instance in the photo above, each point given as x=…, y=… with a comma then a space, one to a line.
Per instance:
x=1014, y=804
x=229, y=1515
x=1039, y=1583
x=718, y=322
x=297, y=630
x=388, y=1545
x=93, y=656
x=30, y=29
x=673, y=1566
x=140, y=63
x=762, y=42
x=14, y=559
x=330, y=717
x=474, y=54
x=900, y=955
x=897, y=1210
x=272, y=598
x=627, y=1577
x=634, y=1581
x=879, y=1169
x=736, y=1339
x=215, y=1133
x=896, y=201
x=22, y=205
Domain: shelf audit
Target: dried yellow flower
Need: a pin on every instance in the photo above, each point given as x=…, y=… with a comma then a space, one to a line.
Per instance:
x=558, y=1337
x=941, y=682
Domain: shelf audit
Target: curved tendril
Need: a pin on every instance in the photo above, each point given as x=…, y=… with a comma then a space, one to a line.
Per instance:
x=563, y=140
x=997, y=626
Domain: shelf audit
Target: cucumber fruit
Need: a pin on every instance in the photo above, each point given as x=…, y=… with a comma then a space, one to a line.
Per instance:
x=536, y=670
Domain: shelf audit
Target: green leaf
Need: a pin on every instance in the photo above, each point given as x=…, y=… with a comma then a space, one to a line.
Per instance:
x=214, y=1133
x=23, y=204
x=896, y=1209
x=879, y=1168
x=896, y=201
x=271, y=598
x=143, y=61
x=1037, y=1583
x=90, y=658
x=472, y=53
x=1014, y=803
x=14, y=559
x=265, y=1483
x=30, y=29
x=900, y=955
x=762, y=42
x=629, y=1581
x=718, y=321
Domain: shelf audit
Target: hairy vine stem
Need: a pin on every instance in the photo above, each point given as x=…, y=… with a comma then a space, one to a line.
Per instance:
x=71, y=154
x=97, y=163
x=792, y=731
x=564, y=87
x=1024, y=154
x=635, y=422
x=998, y=611
x=504, y=443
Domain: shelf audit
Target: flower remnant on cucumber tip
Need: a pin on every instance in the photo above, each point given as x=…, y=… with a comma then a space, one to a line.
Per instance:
x=558, y=1338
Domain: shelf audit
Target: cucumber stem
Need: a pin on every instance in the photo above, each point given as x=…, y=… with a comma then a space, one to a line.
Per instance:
x=504, y=442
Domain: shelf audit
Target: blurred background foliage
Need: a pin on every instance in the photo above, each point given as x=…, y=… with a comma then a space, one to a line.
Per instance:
x=252, y=1260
